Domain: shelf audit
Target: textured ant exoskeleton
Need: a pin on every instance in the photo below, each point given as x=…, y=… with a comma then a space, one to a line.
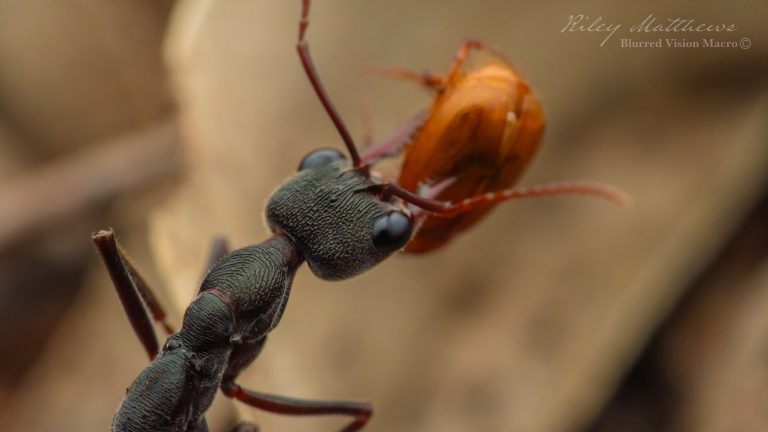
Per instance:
x=334, y=215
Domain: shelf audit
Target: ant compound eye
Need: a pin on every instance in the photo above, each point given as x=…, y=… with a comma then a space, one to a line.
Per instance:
x=320, y=157
x=392, y=231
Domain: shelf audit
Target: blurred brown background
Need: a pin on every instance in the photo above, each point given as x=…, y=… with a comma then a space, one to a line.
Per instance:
x=173, y=121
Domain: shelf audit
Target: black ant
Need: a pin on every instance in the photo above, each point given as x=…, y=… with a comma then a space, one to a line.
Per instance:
x=334, y=215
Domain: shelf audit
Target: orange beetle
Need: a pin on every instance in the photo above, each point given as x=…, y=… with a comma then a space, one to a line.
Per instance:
x=481, y=132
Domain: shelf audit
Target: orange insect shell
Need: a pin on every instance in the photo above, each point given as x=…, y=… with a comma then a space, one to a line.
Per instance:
x=484, y=127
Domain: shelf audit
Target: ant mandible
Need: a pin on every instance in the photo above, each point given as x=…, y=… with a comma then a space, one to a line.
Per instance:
x=334, y=215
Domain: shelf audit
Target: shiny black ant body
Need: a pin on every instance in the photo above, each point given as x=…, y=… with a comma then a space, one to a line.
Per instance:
x=334, y=215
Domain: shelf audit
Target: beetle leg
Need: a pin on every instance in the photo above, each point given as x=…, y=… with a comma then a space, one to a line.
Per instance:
x=133, y=291
x=394, y=143
x=461, y=56
x=431, y=192
x=463, y=53
x=431, y=81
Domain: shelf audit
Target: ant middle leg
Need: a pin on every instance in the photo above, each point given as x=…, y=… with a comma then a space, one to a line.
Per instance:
x=240, y=427
x=133, y=291
x=218, y=250
x=245, y=427
x=245, y=353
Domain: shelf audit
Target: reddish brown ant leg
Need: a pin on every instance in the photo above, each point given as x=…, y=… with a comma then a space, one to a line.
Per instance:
x=244, y=353
x=218, y=250
x=245, y=427
x=361, y=411
x=575, y=187
x=314, y=79
x=133, y=292
x=446, y=208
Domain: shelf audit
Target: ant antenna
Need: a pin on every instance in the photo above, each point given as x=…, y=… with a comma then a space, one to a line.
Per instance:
x=446, y=208
x=314, y=79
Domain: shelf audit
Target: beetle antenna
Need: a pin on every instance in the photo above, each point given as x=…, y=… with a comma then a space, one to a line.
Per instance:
x=314, y=79
x=445, y=208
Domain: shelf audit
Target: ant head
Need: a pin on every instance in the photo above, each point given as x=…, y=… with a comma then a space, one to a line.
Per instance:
x=337, y=217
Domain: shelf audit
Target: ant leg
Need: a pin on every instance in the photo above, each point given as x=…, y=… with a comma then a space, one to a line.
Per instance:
x=361, y=411
x=218, y=250
x=245, y=427
x=314, y=79
x=243, y=354
x=396, y=141
x=132, y=290
x=576, y=187
x=202, y=426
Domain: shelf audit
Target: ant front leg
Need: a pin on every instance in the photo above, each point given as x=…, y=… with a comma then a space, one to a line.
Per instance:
x=245, y=353
x=240, y=427
x=133, y=292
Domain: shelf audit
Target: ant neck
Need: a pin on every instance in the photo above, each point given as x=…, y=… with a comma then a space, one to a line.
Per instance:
x=290, y=250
